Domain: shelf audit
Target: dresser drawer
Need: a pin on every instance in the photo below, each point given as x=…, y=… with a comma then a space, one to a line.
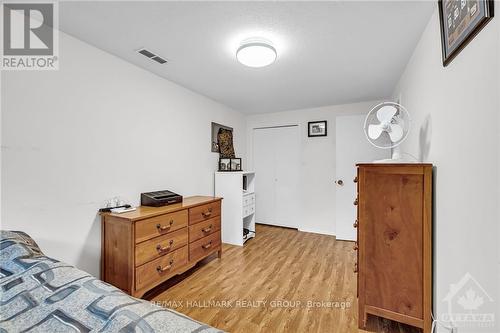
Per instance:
x=159, y=246
x=160, y=225
x=205, y=228
x=204, y=246
x=204, y=212
x=160, y=269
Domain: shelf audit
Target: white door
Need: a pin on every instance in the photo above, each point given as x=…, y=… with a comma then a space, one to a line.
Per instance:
x=263, y=155
x=276, y=157
x=351, y=147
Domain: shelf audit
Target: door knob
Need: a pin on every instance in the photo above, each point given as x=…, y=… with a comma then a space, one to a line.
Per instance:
x=339, y=182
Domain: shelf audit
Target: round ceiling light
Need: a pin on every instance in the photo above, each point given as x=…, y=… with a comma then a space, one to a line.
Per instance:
x=256, y=54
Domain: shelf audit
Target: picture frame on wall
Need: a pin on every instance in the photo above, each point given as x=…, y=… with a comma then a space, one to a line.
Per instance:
x=317, y=128
x=215, y=130
x=460, y=22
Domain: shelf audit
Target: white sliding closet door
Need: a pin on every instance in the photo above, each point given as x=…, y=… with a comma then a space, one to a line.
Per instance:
x=276, y=158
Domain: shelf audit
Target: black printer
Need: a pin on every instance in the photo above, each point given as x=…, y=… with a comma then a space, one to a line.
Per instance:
x=160, y=198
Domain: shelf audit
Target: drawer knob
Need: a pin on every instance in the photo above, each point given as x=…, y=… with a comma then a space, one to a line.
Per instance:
x=164, y=227
x=160, y=269
x=207, y=229
x=207, y=246
x=165, y=248
x=355, y=225
x=355, y=179
x=356, y=202
x=355, y=247
x=355, y=268
x=207, y=213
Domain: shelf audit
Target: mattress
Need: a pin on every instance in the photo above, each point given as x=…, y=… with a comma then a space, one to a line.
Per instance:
x=42, y=294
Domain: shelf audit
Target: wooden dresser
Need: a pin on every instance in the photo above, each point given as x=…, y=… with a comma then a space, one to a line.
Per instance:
x=143, y=248
x=394, y=262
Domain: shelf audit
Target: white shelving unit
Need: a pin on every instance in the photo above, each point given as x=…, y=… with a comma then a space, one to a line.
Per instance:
x=238, y=206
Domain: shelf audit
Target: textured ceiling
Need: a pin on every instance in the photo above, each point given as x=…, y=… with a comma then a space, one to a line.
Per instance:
x=328, y=52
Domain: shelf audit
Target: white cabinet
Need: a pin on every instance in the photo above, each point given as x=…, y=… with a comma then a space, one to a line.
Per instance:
x=238, y=209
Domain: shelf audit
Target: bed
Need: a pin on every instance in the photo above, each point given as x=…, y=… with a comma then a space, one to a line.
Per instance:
x=41, y=294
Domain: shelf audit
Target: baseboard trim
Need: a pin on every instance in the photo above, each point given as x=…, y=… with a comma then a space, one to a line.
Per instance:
x=317, y=231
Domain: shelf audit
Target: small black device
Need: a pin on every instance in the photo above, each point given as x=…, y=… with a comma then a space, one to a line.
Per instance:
x=160, y=198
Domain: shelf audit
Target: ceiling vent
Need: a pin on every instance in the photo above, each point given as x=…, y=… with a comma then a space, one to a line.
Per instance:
x=152, y=56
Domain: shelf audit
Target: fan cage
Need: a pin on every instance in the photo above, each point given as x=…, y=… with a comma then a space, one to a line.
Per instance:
x=384, y=141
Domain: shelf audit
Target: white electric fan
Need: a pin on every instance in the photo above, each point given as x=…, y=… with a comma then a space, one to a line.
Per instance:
x=386, y=126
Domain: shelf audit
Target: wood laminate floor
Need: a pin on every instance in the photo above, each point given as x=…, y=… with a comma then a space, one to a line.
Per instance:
x=284, y=280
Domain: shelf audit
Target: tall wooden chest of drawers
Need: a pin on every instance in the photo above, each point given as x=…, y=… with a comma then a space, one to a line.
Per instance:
x=143, y=248
x=394, y=244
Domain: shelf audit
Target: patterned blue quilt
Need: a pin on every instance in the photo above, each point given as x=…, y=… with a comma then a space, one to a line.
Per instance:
x=41, y=294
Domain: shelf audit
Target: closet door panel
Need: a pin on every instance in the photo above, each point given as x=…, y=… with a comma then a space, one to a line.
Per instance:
x=287, y=176
x=276, y=164
x=263, y=156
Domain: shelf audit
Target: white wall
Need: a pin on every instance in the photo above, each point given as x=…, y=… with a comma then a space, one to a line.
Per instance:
x=97, y=128
x=317, y=167
x=456, y=125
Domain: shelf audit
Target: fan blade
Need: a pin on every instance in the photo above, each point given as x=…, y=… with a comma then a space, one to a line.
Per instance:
x=396, y=132
x=385, y=113
x=374, y=131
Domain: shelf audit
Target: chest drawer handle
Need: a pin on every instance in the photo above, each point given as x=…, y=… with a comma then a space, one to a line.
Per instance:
x=355, y=268
x=207, y=213
x=355, y=225
x=356, y=202
x=164, y=227
x=160, y=269
x=207, y=246
x=355, y=247
x=355, y=179
x=166, y=248
x=207, y=229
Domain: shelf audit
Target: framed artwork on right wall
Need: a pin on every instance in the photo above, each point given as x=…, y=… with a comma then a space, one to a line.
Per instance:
x=461, y=21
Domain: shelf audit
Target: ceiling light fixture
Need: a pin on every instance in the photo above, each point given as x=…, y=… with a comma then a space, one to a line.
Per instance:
x=256, y=53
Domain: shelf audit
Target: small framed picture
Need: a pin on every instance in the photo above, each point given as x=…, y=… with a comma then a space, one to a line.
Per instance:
x=230, y=164
x=235, y=164
x=224, y=164
x=316, y=128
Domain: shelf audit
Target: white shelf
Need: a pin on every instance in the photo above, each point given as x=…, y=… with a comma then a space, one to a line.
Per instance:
x=238, y=206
